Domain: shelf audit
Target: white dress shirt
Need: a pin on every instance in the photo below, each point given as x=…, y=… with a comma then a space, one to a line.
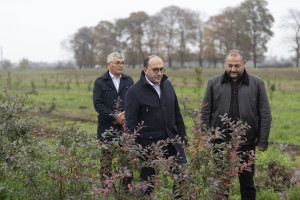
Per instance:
x=156, y=87
x=116, y=81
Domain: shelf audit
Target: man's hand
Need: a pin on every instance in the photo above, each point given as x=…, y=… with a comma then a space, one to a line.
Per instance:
x=120, y=118
x=261, y=148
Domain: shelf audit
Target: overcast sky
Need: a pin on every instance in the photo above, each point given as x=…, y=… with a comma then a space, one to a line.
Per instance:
x=34, y=29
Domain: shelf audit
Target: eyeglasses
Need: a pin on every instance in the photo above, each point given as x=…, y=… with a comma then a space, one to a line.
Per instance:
x=156, y=70
x=118, y=63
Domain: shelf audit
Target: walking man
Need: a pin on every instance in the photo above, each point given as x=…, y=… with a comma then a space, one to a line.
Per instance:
x=108, y=98
x=242, y=96
x=152, y=100
x=110, y=89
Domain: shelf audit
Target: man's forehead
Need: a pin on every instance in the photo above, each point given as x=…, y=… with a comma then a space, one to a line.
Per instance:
x=235, y=58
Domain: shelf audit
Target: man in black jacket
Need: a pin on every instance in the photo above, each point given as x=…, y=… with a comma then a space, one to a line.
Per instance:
x=152, y=100
x=109, y=95
x=242, y=96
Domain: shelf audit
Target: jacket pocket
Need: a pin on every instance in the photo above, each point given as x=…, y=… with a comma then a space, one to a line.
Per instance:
x=107, y=89
x=150, y=135
x=107, y=92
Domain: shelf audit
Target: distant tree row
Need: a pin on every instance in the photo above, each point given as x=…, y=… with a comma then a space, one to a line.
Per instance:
x=25, y=64
x=7, y=65
x=292, y=23
x=181, y=35
x=178, y=35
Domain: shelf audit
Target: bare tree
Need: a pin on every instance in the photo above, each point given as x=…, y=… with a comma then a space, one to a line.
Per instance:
x=130, y=36
x=188, y=22
x=211, y=40
x=83, y=47
x=178, y=34
x=226, y=31
x=135, y=31
x=231, y=32
x=292, y=22
x=24, y=64
x=259, y=21
x=6, y=64
x=105, y=42
x=199, y=38
x=120, y=33
x=153, y=35
x=169, y=23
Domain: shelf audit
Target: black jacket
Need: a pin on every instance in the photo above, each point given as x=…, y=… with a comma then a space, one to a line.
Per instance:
x=161, y=116
x=254, y=106
x=105, y=96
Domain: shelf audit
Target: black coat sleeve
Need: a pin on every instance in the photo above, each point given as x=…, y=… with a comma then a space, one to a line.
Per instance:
x=131, y=111
x=100, y=106
x=264, y=117
x=179, y=121
x=207, y=106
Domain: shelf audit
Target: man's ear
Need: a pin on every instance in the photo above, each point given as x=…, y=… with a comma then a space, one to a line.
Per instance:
x=245, y=61
x=145, y=69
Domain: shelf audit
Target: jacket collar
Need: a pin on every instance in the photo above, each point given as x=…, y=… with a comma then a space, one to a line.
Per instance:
x=244, y=78
x=143, y=79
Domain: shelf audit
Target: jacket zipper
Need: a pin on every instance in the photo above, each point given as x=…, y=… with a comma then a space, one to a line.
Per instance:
x=239, y=99
x=229, y=99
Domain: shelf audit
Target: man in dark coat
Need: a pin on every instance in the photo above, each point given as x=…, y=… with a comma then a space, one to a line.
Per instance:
x=242, y=96
x=108, y=98
x=109, y=95
x=152, y=100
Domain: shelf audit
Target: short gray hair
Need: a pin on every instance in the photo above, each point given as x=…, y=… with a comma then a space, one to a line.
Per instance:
x=235, y=52
x=112, y=56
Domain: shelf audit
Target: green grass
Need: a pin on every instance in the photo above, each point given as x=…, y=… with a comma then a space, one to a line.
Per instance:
x=274, y=154
x=74, y=103
x=75, y=100
x=285, y=108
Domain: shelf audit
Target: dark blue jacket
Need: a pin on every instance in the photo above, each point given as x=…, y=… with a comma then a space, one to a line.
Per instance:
x=161, y=116
x=105, y=96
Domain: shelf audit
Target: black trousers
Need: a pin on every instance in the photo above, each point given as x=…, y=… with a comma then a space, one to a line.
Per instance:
x=169, y=150
x=246, y=178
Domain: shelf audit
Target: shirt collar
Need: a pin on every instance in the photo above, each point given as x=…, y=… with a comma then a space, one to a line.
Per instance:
x=151, y=82
x=113, y=76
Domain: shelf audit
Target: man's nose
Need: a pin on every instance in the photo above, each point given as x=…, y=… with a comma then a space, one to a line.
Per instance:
x=233, y=69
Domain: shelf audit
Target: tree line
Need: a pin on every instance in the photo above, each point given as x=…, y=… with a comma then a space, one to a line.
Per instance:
x=182, y=37
x=178, y=35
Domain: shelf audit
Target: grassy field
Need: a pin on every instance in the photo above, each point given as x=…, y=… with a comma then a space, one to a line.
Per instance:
x=70, y=93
